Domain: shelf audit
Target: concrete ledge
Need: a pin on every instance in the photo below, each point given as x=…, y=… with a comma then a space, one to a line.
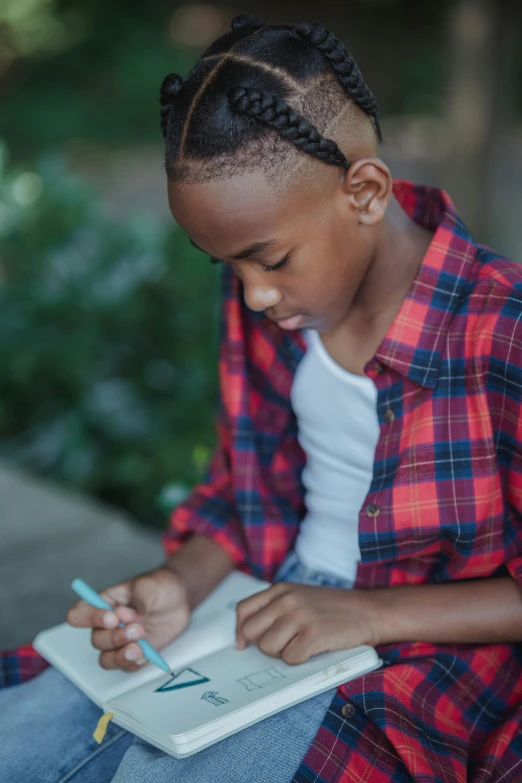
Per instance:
x=48, y=537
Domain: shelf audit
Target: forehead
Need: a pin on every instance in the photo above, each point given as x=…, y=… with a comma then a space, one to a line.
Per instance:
x=221, y=215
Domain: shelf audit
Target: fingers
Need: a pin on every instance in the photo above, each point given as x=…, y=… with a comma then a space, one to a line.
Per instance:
x=117, y=645
x=112, y=640
x=118, y=651
x=256, y=614
x=279, y=638
x=129, y=658
x=83, y=615
x=275, y=640
x=117, y=594
x=126, y=614
x=272, y=620
x=299, y=649
x=245, y=609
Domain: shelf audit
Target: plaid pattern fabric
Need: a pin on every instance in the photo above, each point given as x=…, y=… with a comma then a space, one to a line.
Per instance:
x=445, y=502
x=19, y=665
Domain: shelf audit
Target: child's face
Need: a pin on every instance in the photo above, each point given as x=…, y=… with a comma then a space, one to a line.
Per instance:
x=327, y=229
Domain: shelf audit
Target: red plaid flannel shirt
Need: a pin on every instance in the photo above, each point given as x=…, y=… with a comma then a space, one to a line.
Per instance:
x=445, y=502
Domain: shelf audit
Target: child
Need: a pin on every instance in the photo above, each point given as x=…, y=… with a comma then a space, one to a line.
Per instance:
x=369, y=459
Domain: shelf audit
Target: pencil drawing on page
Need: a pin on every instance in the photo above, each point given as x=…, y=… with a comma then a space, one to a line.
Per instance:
x=185, y=678
x=212, y=698
x=260, y=679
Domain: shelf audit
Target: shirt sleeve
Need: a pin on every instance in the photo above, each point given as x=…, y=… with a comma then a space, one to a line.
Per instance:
x=505, y=402
x=19, y=665
x=210, y=509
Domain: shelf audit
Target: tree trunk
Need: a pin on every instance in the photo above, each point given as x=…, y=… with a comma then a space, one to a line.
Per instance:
x=480, y=42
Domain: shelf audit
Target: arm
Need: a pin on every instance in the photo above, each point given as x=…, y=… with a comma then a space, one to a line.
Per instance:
x=155, y=605
x=478, y=611
x=202, y=565
x=295, y=621
x=481, y=610
x=204, y=543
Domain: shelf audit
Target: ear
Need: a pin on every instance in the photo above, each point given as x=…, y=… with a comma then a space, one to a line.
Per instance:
x=368, y=183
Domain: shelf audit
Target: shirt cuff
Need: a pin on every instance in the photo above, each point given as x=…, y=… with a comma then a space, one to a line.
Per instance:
x=515, y=569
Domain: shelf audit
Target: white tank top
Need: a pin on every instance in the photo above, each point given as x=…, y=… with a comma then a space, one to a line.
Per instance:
x=338, y=429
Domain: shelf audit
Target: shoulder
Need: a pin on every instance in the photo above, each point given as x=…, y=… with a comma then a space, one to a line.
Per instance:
x=499, y=273
x=492, y=307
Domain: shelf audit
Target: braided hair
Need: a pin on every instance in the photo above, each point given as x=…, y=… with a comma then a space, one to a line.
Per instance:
x=258, y=96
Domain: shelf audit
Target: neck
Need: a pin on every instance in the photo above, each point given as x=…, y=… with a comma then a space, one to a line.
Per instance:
x=401, y=247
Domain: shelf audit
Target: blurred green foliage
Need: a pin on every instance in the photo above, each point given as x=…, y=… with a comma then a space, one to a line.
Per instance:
x=101, y=83
x=108, y=340
x=108, y=329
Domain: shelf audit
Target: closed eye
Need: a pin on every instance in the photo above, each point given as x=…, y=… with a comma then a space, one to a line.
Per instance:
x=279, y=264
x=264, y=267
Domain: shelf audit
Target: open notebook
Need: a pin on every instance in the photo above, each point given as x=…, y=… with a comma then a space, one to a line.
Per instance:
x=217, y=690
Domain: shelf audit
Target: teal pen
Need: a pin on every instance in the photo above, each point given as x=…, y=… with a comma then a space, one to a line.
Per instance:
x=94, y=599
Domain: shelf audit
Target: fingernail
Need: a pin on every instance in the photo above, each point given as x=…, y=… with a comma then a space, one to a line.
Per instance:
x=132, y=632
x=110, y=620
x=131, y=654
x=141, y=661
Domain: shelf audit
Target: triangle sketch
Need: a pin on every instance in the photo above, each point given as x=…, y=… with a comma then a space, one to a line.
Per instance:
x=185, y=678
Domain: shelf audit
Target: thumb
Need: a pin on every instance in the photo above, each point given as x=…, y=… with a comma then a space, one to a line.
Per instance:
x=119, y=596
x=130, y=604
x=145, y=594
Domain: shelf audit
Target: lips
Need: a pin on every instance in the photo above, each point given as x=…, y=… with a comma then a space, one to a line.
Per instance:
x=290, y=322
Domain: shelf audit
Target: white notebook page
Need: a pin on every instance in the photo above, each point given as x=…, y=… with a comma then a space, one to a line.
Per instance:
x=212, y=627
x=218, y=685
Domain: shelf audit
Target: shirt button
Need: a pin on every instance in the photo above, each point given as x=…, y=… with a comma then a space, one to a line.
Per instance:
x=389, y=415
x=348, y=710
x=372, y=510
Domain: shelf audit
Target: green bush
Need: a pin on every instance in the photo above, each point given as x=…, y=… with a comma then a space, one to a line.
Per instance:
x=108, y=344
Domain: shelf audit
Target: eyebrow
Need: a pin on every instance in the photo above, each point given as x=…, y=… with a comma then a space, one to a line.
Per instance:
x=251, y=250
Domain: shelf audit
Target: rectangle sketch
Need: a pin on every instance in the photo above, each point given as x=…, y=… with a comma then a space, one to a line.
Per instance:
x=260, y=679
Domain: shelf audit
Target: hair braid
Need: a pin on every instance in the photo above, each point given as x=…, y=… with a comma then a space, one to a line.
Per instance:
x=237, y=92
x=276, y=112
x=246, y=22
x=344, y=65
x=170, y=87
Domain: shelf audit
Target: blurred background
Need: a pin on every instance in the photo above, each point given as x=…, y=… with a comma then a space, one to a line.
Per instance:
x=108, y=315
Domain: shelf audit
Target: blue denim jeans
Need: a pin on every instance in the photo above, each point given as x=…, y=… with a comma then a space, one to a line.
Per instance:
x=46, y=728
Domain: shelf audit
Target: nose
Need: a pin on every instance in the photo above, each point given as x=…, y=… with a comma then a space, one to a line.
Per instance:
x=259, y=296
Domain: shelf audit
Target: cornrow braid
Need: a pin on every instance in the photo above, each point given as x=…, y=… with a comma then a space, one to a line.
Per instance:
x=344, y=65
x=277, y=113
x=171, y=85
x=252, y=81
x=246, y=22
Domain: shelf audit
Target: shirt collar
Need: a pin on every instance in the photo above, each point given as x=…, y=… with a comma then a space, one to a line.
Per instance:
x=415, y=341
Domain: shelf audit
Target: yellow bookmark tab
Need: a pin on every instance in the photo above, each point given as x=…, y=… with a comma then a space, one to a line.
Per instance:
x=101, y=728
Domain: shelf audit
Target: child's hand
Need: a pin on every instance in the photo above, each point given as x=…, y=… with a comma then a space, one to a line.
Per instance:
x=152, y=605
x=294, y=621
